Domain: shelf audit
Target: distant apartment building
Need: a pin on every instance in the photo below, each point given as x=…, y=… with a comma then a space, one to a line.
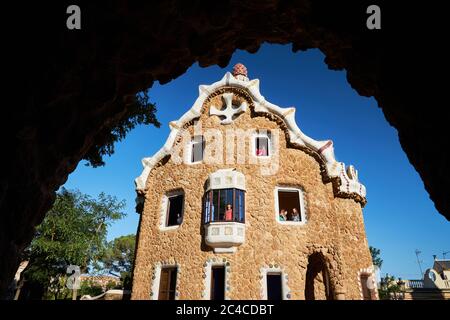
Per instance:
x=435, y=284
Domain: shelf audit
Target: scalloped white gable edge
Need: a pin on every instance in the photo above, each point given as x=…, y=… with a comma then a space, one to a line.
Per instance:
x=349, y=176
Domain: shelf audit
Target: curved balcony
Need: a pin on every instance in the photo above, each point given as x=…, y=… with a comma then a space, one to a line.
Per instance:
x=224, y=237
x=224, y=210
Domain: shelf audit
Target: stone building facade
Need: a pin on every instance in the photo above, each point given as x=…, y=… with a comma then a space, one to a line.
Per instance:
x=210, y=203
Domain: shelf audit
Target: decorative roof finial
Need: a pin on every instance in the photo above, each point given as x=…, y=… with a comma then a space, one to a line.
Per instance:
x=240, y=72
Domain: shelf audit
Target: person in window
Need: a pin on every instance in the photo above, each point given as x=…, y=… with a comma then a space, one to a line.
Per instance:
x=295, y=216
x=282, y=215
x=229, y=213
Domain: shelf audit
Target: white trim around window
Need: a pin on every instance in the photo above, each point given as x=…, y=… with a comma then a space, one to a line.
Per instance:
x=302, y=206
x=156, y=279
x=195, y=140
x=208, y=265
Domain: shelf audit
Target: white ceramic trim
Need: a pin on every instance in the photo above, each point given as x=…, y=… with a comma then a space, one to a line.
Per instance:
x=262, y=135
x=237, y=180
x=285, y=291
x=222, y=242
x=302, y=206
x=229, y=111
x=334, y=169
x=207, y=270
x=370, y=271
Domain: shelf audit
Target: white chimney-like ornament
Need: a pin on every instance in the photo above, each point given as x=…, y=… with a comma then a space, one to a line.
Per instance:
x=240, y=72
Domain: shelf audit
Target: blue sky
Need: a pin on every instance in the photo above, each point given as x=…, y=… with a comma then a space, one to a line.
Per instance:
x=399, y=216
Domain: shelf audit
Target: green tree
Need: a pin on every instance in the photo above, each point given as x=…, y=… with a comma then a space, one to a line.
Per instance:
x=72, y=233
x=113, y=285
x=137, y=111
x=376, y=260
x=389, y=288
x=118, y=258
x=90, y=288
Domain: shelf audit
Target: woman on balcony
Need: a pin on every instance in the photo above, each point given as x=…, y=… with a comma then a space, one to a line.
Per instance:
x=229, y=213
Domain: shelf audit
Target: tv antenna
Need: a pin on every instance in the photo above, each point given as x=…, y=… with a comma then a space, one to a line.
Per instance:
x=419, y=261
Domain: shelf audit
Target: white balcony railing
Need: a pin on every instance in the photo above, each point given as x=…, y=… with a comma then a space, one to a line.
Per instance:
x=414, y=284
x=420, y=284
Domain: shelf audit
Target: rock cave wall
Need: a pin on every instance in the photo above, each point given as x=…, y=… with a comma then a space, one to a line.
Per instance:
x=76, y=83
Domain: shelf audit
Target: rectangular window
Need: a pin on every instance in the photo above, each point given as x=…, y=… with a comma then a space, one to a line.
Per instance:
x=218, y=283
x=167, y=283
x=274, y=291
x=224, y=205
x=289, y=205
x=215, y=207
x=198, y=147
x=262, y=144
x=175, y=210
x=365, y=288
